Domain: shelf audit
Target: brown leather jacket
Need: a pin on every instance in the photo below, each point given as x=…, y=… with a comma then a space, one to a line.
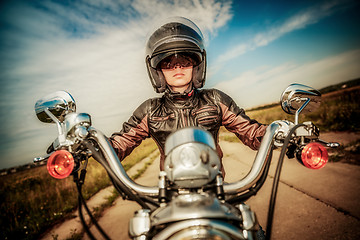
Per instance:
x=206, y=108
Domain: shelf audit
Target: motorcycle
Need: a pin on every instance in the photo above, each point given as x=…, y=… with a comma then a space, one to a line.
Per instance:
x=191, y=201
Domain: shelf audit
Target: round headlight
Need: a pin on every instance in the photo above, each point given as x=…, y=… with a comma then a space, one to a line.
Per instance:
x=189, y=156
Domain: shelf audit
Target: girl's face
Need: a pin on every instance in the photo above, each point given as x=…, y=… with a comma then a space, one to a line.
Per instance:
x=177, y=70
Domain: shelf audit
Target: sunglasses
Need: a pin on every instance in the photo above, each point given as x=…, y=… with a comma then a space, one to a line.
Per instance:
x=180, y=60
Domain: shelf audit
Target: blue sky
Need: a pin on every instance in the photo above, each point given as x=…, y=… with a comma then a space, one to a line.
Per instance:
x=95, y=50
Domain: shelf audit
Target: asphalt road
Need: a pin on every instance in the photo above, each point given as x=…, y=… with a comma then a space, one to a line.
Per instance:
x=311, y=204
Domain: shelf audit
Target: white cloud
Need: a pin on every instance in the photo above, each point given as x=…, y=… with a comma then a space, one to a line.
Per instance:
x=300, y=20
x=209, y=15
x=271, y=81
x=93, y=50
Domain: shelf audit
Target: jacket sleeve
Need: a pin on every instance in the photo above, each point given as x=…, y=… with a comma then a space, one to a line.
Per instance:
x=234, y=119
x=133, y=132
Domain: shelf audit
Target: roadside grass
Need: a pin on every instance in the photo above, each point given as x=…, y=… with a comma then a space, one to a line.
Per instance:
x=32, y=201
x=339, y=111
x=227, y=137
x=348, y=153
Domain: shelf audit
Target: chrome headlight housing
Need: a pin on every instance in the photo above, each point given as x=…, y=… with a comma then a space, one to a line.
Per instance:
x=191, y=158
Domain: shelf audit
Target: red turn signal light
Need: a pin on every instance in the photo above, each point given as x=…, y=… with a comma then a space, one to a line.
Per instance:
x=314, y=156
x=60, y=164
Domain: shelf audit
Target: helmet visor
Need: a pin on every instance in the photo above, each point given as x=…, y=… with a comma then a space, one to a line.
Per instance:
x=170, y=59
x=182, y=60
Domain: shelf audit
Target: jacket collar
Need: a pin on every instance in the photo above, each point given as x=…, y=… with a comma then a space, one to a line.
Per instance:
x=181, y=100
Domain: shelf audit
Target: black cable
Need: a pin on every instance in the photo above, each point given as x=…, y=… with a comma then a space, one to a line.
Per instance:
x=86, y=228
x=118, y=189
x=125, y=197
x=276, y=182
x=93, y=220
x=150, y=200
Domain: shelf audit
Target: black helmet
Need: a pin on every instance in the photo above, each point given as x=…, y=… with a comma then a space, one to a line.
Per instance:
x=177, y=35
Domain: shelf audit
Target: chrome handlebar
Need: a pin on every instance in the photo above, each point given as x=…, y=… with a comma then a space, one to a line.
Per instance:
x=115, y=164
x=231, y=188
x=258, y=166
x=74, y=128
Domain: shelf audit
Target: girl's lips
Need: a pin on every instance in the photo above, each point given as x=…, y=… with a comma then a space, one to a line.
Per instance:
x=178, y=75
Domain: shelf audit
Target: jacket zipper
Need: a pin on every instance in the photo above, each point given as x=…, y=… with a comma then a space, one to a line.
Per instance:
x=183, y=117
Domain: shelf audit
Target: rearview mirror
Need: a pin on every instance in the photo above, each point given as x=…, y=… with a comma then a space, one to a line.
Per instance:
x=295, y=95
x=300, y=98
x=58, y=104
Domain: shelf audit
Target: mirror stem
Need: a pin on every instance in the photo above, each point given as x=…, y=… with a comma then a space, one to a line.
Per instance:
x=61, y=138
x=300, y=109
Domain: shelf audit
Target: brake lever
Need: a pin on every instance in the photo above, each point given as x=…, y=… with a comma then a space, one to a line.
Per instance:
x=41, y=159
x=329, y=144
